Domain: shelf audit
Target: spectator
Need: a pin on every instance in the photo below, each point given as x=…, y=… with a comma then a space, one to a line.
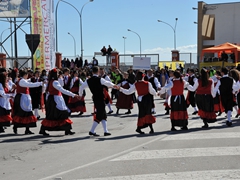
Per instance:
x=85, y=63
x=95, y=62
x=67, y=63
x=104, y=51
x=109, y=52
x=63, y=62
x=181, y=68
x=72, y=64
x=131, y=76
x=224, y=56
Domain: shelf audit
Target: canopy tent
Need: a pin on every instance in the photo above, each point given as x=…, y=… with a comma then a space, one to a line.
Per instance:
x=227, y=47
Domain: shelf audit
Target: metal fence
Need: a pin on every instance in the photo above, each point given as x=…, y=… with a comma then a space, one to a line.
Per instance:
x=190, y=58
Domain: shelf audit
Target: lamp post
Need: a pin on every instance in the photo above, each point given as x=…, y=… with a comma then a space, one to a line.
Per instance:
x=124, y=38
x=74, y=43
x=1, y=36
x=80, y=15
x=139, y=39
x=173, y=28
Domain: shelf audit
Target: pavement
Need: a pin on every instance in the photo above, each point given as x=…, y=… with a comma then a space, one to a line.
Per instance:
x=198, y=153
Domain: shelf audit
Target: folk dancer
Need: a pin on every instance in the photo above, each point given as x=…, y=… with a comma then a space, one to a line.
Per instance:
x=155, y=84
x=205, y=93
x=179, y=115
x=95, y=84
x=144, y=90
x=56, y=110
x=125, y=101
x=22, y=107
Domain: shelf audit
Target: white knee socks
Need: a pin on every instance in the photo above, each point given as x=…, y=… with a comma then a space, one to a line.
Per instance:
x=36, y=112
x=109, y=106
x=94, y=125
x=229, y=114
x=104, y=124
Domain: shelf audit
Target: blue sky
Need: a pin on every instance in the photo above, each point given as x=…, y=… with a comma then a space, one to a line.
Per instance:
x=105, y=22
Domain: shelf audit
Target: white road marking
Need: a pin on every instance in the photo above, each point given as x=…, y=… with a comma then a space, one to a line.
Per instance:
x=180, y=153
x=103, y=159
x=191, y=175
x=191, y=136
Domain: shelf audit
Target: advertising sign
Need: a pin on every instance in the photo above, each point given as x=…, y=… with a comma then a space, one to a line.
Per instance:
x=42, y=12
x=142, y=63
x=14, y=8
x=171, y=64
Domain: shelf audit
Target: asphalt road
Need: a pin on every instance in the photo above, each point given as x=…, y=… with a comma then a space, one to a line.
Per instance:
x=194, y=154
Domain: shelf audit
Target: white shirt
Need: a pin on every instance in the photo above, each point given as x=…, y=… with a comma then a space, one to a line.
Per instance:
x=157, y=83
x=58, y=86
x=4, y=99
x=132, y=89
x=60, y=80
x=26, y=83
x=235, y=85
x=196, y=84
x=103, y=82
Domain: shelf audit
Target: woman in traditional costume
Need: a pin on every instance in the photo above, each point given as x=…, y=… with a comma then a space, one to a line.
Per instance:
x=144, y=89
x=56, y=110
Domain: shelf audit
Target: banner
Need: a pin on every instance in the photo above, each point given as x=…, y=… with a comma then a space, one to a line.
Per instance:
x=14, y=8
x=142, y=63
x=171, y=64
x=42, y=12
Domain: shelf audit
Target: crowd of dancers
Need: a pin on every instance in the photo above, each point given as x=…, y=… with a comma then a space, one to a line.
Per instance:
x=59, y=93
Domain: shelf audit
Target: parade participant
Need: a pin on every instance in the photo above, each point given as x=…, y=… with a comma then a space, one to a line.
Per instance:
x=56, y=109
x=5, y=106
x=179, y=115
x=66, y=86
x=22, y=107
x=35, y=94
x=205, y=93
x=191, y=95
x=234, y=73
x=144, y=90
x=155, y=84
x=74, y=104
x=226, y=86
x=168, y=93
x=95, y=84
x=125, y=101
x=218, y=108
x=108, y=100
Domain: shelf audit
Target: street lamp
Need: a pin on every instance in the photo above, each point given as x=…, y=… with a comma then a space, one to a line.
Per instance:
x=124, y=38
x=1, y=36
x=139, y=39
x=174, y=30
x=80, y=15
x=74, y=43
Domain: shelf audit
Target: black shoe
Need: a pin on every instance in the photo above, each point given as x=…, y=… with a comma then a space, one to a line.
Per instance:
x=110, y=112
x=237, y=116
x=173, y=129
x=81, y=113
x=93, y=134
x=139, y=131
x=205, y=126
x=195, y=113
x=129, y=112
x=219, y=114
x=167, y=113
x=229, y=123
x=29, y=132
x=107, y=134
x=151, y=132
x=43, y=133
x=153, y=112
x=15, y=130
x=2, y=130
x=184, y=128
x=38, y=117
x=69, y=133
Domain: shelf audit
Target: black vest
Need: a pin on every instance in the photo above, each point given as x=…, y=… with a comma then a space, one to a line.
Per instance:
x=151, y=80
x=96, y=88
x=226, y=86
x=190, y=80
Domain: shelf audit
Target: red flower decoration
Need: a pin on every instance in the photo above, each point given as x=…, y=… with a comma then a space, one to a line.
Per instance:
x=54, y=70
x=143, y=75
x=15, y=69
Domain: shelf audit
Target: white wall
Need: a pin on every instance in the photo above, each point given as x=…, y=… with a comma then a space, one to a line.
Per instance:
x=227, y=23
